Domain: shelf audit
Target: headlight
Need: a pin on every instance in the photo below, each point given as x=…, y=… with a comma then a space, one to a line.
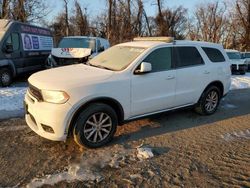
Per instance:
x=58, y=97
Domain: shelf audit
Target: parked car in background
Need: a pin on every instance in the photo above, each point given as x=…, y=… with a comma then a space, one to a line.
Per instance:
x=246, y=56
x=76, y=49
x=24, y=48
x=126, y=82
x=238, y=65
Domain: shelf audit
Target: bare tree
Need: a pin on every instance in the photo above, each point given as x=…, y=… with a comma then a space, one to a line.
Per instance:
x=160, y=19
x=172, y=22
x=66, y=17
x=80, y=20
x=5, y=9
x=210, y=22
x=243, y=21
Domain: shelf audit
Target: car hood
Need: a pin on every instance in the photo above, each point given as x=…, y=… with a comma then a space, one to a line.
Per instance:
x=67, y=77
x=71, y=52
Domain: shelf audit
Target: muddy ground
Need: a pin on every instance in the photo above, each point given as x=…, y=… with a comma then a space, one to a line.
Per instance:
x=189, y=151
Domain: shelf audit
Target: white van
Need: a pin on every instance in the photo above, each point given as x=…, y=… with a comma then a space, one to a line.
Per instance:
x=24, y=48
x=76, y=49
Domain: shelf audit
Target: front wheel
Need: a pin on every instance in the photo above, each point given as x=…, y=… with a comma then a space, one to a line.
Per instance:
x=5, y=77
x=209, y=101
x=95, y=126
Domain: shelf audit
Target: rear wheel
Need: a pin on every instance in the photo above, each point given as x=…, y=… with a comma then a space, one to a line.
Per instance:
x=95, y=126
x=209, y=101
x=5, y=77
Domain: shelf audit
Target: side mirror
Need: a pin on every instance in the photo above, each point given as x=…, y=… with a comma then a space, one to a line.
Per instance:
x=144, y=68
x=8, y=48
x=101, y=49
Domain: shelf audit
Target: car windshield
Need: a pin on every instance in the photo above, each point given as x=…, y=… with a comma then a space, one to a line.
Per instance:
x=77, y=43
x=117, y=57
x=234, y=55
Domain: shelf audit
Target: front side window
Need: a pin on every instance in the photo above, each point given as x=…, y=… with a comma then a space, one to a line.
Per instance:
x=14, y=41
x=187, y=56
x=214, y=54
x=160, y=59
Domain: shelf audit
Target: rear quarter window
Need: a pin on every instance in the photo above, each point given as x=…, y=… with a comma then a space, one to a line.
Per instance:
x=214, y=55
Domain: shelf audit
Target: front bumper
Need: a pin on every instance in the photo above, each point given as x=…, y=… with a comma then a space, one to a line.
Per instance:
x=40, y=115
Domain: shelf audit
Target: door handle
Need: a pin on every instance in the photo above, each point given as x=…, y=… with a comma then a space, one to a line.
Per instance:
x=206, y=72
x=170, y=77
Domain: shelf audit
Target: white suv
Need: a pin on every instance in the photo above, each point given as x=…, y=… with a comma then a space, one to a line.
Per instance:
x=125, y=82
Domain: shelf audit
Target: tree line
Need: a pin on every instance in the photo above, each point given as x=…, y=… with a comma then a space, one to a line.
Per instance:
x=227, y=23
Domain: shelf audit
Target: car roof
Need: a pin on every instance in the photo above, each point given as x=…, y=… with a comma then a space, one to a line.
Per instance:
x=149, y=44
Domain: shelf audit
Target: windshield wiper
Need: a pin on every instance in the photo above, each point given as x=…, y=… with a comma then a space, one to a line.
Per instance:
x=100, y=66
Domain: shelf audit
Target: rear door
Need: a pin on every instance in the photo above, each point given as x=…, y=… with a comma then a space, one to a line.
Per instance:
x=191, y=74
x=154, y=91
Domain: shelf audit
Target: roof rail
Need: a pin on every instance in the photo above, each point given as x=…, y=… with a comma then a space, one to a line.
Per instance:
x=160, y=39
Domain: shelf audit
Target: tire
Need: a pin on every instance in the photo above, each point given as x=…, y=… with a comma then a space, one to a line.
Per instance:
x=89, y=132
x=205, y=107
x=5, y=77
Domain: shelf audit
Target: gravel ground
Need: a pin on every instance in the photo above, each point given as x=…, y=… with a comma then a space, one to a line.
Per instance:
x=189, y=151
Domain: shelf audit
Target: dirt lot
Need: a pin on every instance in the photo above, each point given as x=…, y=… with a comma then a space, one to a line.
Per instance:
x=189, y=151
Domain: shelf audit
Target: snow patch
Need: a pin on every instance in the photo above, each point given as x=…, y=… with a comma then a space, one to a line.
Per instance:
x=75, y=172
x=240, y=81
x=89, y=168
x=11, y=99
x=144, y=153
x=236, y=135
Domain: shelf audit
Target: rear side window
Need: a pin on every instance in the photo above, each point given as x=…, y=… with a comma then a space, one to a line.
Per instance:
x=160, y=59
x=214, y=55
x=187, y=56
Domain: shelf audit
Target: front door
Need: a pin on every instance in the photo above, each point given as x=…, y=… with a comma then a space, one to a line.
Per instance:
x=154, y=91
x=12, y=51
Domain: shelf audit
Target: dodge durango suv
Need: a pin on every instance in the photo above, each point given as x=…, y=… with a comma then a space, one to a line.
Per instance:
x=126, y=82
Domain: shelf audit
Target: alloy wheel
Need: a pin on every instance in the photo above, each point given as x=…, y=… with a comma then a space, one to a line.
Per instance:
x=97, y=127
x=211, y=101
